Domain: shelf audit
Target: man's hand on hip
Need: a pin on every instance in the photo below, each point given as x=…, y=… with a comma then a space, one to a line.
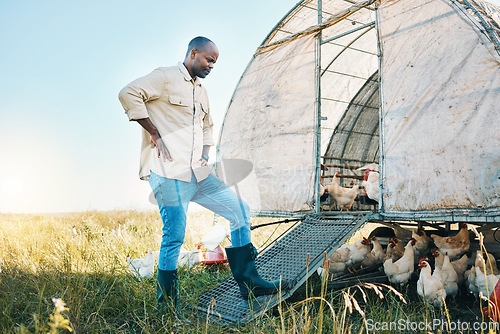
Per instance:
x=157, y=142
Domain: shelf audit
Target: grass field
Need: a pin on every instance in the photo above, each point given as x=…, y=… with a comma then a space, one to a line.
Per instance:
x=42, y=260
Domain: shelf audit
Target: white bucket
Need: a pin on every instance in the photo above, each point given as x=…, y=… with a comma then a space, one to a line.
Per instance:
x=215, y=236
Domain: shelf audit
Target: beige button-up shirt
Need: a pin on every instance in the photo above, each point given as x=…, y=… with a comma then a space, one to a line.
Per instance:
x=178, y=106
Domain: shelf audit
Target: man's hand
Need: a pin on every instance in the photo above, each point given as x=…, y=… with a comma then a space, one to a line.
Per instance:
x=203, y=162
x=157, y=142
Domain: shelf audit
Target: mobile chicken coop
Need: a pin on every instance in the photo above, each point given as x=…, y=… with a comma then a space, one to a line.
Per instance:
x=413, y=86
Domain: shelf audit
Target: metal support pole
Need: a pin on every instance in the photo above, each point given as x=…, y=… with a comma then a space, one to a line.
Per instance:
x=318, y=110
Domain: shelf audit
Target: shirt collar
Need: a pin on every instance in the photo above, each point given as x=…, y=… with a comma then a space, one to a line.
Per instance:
x=186, y=74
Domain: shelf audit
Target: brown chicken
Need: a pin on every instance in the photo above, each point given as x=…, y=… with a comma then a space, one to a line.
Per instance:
x=376, y=256
x=395, y=250
x=344, y=197
x=423, y=242
x=349, y=255
x=454, y=246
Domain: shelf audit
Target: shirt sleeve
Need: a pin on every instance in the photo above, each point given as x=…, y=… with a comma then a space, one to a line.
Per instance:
x=134, y=96
x=208, y=125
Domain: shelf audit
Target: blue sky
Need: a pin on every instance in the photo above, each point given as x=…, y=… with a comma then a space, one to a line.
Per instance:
x=65, y=142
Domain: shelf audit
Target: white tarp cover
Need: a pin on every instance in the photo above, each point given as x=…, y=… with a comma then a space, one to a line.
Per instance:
x=270, y=122
x=440, y=109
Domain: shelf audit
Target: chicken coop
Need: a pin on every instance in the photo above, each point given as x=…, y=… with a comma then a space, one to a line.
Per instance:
x=410, y=88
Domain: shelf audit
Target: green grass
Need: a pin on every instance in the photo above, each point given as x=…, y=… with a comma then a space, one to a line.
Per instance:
x=42, y=260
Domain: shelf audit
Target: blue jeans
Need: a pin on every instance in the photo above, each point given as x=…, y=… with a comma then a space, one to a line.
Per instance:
x=173, y=197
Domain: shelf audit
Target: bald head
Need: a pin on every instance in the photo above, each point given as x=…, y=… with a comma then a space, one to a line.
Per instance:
x=200, y=57
x=198, y=43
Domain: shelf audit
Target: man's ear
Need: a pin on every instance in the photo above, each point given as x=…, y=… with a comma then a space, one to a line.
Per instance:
x=193, y=53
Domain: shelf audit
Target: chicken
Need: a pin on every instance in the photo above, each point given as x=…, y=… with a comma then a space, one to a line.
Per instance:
x=401, y=270
x=395, y=250
x=470, y=281
x=430, y=287
x=371, y=185
x=376, y=256
x=486, y=279
x=490, y=265
x=189, y=258
x=344, y=197
x=117, y=232
x=349, y=255
x=486, y=283
x=459, y=265
x=454, y=246
x=144, y=267
x=449, y=277
x=72, y=231
x=423, y=242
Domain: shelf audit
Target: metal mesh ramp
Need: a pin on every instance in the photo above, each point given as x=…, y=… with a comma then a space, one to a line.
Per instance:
x=287, y=257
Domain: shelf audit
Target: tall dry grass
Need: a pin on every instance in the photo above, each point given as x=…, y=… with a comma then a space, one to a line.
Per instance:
x=43, y=262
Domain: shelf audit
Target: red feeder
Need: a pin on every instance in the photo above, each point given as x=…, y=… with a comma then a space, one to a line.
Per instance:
x=218, y=255
x=494, y=309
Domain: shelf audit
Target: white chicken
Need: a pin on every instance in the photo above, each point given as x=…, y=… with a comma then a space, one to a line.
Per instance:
x=348, y=255
x=449, y=277
x=459, y=265
x=188, y=258
x=144, y=267
x=371, y=185
x=455, y=246
x=401, y=270
x=376, y=256
x=485, y=282
x=430, y=287
x=423, y=242
x=344, y=197
x=470, y=281
x=73, y=232
x=117, y=232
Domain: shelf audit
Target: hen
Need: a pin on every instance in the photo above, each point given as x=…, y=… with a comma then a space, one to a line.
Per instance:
x=188, y=258
x=485, y=282
x=344, y=197
x=349, y=255
x=423, y=241
x=470, y=281
x=395, y=250
x=430, y=287
x=401, y=270
x=490, y=265
x=454, y=246
x=376, y=256
x=144, y=267
x=449, y=277
x=371, y=185
x=459, y=265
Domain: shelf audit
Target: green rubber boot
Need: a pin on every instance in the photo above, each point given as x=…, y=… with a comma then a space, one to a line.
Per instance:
x=242, y=263
x=168, y=294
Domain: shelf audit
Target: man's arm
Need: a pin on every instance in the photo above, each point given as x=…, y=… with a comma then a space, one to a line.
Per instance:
x=155, y=138
x=206, y=150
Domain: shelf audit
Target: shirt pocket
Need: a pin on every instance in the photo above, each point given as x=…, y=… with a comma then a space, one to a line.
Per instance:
x=178, y=101
x=179, y=111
